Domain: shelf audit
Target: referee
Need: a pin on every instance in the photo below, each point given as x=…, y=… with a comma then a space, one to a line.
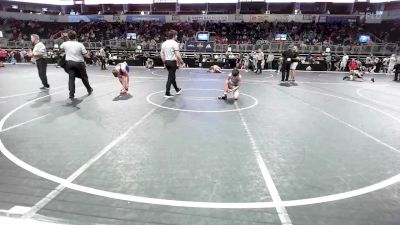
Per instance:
x=39, y=54
x=171, y=58
x=76, y=67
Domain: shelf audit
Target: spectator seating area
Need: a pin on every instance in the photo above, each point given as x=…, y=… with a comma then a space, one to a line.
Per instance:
x=151, y=32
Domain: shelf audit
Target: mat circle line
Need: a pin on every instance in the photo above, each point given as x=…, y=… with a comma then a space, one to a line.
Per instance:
x=191, y=204
x=148, y=98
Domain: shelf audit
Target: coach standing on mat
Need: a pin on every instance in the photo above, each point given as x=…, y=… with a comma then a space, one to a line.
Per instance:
x=74, y=52
x=39, y=53
x=172, y=59
x=287, y=61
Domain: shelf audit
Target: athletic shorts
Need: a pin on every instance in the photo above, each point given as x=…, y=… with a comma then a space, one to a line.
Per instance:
x=123, y=66
x=293, y=66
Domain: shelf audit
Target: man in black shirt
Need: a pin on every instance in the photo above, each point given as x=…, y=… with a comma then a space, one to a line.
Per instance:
x=287, y=60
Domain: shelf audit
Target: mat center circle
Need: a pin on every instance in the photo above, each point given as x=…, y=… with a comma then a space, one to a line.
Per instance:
x=202, y=100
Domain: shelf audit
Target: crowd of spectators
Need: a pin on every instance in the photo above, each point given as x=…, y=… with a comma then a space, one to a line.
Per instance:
x=149, y=33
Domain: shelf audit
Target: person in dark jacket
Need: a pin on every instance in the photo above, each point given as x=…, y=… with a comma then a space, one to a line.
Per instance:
x=287, y=61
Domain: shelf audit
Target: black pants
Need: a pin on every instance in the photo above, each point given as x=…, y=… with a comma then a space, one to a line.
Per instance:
x=171, y=67
x=259, y=66
x=42, y=68
x=77, y=69
x=397, y=71
x=103, y=62
x=285, y=71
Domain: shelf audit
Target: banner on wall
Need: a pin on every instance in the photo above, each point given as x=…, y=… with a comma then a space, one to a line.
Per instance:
x=145, y=18
x=338, y=19
x=221, y=18
x=262, y=42
x=238, y=17
x=259, y=18
x=200, y=46
x=89, y=18
x=373, y=18
x=176, y=18
x=269, y=18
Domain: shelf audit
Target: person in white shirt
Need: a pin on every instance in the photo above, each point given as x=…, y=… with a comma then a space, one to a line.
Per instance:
x=246, y=63
x=368, y=63
x=260, y=57
x=75, y=66
x=375, y=61
x=392, y=63
x=102, y=57
x=343, y=62
x=38, y=55
x=385, y=64
x=172, y=59
x=270, y=59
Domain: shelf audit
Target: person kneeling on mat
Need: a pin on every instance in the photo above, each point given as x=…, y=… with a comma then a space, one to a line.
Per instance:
x=214, y=69
x=121, y=70
x=357, y=74
x=149, y=64
x=232, y=85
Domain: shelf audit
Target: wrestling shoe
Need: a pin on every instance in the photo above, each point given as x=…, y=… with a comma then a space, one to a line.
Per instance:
x=222, y=97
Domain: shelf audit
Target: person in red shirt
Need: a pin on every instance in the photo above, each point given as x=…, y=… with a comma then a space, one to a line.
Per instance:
x=3, y=54
x=356, y=72
x=352, y=65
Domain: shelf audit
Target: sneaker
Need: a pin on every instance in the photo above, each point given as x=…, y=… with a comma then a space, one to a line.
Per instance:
x=373, y=80
x=45, y=87
x=90, y=91
x=222, y=97
x=71, y=97
x=179, y=91
x=168, y=96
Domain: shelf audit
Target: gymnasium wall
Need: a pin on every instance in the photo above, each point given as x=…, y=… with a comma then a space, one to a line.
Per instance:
x=248, y=18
